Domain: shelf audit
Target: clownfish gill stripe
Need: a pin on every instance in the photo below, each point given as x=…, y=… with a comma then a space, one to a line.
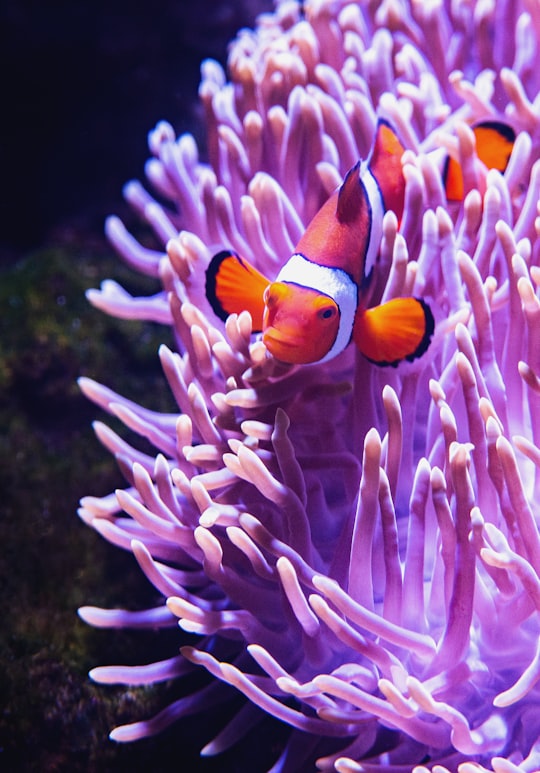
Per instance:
x=376, y=209
x=333, y=282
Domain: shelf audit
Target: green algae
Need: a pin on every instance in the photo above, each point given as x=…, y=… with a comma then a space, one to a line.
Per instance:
x=52, y=717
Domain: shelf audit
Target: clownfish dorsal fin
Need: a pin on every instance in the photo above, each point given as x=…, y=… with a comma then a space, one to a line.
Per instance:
x=400, y=329
x=385, y=166
x=339, y=232
x=233, y=285
x=351, y=197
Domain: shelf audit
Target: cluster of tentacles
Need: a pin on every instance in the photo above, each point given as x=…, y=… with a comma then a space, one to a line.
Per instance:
x=356, y=548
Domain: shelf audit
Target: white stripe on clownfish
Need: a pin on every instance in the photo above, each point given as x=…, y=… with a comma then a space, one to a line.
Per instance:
x=333, y=282
x=377, y=210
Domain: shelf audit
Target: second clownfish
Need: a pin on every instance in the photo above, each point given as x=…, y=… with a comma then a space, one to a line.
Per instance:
x=314, y=308
x=494, y=143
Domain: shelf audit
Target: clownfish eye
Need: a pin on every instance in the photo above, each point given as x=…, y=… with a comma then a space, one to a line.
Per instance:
x=327, y=313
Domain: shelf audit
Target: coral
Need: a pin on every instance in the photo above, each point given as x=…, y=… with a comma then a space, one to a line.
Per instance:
x=357, y=548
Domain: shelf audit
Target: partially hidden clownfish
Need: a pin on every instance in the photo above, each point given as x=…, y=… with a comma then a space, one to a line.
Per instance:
x=316, y=305
x=494, y=143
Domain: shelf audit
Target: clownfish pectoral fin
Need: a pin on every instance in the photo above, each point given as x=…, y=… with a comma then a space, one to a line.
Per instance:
x=400, y=329
x=233, y=286
x=494, y=144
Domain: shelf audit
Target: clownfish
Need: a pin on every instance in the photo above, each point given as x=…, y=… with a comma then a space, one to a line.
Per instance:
x=494, y=143
x=315, y=306
x=313, y=309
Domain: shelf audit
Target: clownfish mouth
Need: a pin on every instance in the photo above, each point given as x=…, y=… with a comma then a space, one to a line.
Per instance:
x=287, y=348
x=274, y=337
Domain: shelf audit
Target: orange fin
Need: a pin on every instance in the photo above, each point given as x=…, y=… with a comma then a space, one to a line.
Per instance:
x=233, y=286
x=494, y=143
x=400, y=329
x=351, y=197
x=453, y=179
x=385, y=165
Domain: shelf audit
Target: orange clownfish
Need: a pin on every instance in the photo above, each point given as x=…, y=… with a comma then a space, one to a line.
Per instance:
x=314, y=308
x=494, y=143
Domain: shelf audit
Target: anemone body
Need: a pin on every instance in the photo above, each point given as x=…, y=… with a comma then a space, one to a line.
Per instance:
x=357, y=548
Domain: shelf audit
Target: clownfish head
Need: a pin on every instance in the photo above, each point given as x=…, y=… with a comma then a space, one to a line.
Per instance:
x=300, y=324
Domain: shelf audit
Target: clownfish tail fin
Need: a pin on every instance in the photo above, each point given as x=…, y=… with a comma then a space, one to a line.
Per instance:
x=233, y=285
x=400, y=329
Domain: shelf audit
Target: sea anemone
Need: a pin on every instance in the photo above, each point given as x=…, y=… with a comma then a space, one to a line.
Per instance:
x=356, y=548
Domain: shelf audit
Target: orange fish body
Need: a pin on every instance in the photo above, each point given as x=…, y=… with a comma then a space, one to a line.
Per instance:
x=313, y=309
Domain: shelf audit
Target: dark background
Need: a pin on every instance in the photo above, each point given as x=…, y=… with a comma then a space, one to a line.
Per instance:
x=82, y=83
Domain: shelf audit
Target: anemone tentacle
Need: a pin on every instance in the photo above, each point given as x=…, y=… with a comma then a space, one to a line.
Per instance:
x=358, y=550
